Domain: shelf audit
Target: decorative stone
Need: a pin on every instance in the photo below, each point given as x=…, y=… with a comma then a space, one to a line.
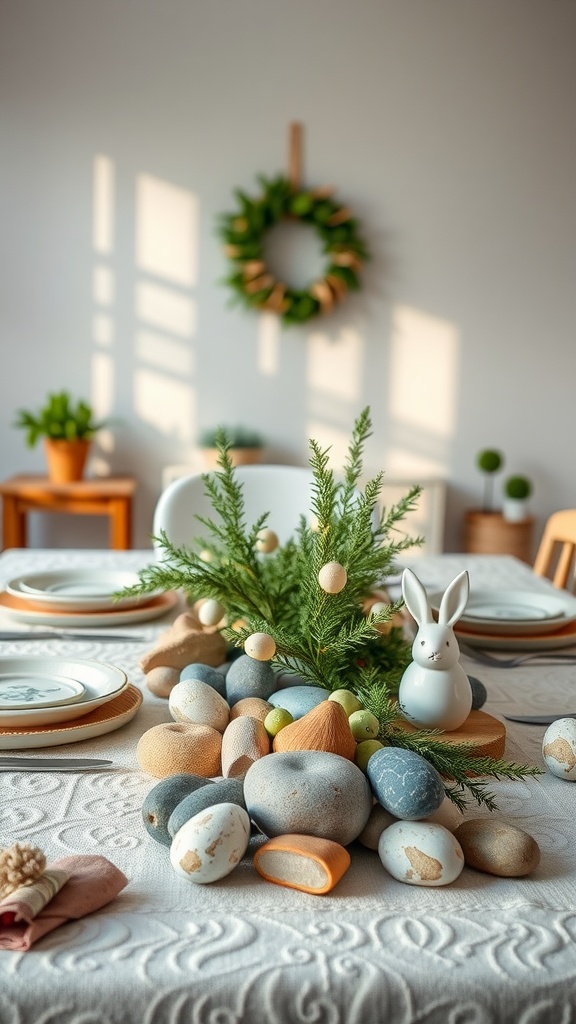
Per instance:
x=206, y=674
x=332, y=577
x=307, y=863
x=254, y=707
x=186, y=641
x=325, y=727
x=198, y=702
x=497, y=848
x=298, y=700
x=249, y=678
x=559, y=748
x=405, y=783
x=172, y=747
x=222, y=791
x=267, y=541
x=244, y=742
x=308, y=792
x=211, y=612
x=420, y=853
x=379, y=820
x=260, y=646
x=160, y=802
x=479, y=693
x=160, y=681
x=210, y=845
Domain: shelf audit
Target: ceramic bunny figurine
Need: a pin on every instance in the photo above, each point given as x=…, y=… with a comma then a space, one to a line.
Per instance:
x=435, y=691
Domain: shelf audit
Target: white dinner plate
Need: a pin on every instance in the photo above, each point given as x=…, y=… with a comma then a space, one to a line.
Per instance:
x=77, y=589
x=110, y=716
x=28, y=689
x=23, y=609
x=516, y=612
x=100, y=683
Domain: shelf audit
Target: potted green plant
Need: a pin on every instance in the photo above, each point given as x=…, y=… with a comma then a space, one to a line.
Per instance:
x=67, y=427
x=246, y=445
x=490, y=531
x=517, y=490
x=489, y=461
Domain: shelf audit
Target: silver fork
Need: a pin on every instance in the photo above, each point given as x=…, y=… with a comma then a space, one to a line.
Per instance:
x=541, y=657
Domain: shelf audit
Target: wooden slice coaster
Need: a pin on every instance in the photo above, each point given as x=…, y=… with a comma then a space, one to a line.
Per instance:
x=486, y=734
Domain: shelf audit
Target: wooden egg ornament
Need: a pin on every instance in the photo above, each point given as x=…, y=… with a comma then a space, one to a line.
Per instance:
x=211, y=612
x=332, y=577
x=260, y=646
x=559, y=748
x=325, y=727
x=308, y=863
x=266, y=541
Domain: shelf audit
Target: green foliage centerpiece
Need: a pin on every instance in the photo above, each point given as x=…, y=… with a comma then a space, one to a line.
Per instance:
x=318, y=630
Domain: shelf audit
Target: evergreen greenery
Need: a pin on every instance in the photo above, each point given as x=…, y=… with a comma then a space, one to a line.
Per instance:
x=327, y=639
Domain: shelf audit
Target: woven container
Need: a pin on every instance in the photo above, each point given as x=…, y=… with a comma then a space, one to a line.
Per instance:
x=488, y=533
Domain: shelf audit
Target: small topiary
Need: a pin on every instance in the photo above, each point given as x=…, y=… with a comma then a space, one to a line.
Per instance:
x=489, y=461
x=517, y=487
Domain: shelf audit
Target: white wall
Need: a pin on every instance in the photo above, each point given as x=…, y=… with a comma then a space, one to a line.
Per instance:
x=448, y=126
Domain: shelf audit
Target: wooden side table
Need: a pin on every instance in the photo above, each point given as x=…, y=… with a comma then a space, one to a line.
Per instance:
x=489, y=533
x=103, y=496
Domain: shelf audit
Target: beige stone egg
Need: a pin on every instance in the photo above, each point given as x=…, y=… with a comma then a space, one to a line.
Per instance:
x=260, y=646
x=195, y=701
x=172, y=747
x=162, y=680
x=254, y=707
x=210, y=612
x=244, y=742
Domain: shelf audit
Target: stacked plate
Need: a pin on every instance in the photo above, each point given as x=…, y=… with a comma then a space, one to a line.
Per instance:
x=516, y=619
x=45, y=701
x=82, y=597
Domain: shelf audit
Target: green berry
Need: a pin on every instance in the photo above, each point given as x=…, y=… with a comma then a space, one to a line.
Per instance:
x=276, y=720
x=347, y=699
x=364, y=752
x=364, y=725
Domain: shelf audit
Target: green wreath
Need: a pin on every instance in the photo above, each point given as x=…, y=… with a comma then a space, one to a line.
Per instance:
x=244, y=231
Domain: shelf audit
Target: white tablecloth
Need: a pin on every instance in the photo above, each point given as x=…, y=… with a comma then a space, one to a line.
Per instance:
x=481, y=950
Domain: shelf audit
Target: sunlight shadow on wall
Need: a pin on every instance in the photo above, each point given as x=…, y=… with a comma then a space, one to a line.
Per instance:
x=268, y=359
x=103, y=376
x=166, y=231
x=423, y=380
x=334, y=380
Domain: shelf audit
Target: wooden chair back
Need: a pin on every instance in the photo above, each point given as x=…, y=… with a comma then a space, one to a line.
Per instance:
x=555, y=555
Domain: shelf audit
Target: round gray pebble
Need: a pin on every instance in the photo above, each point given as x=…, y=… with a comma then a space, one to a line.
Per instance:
x=205, y=674
x=163, y=798
x=221, y=791
x=479, y=693
x=247, y=677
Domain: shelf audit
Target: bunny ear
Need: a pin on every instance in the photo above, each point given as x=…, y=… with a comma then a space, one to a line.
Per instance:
x=454, y=600
x=415, y=598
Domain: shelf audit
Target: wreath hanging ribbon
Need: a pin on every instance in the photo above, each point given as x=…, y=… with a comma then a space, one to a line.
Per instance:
x=244, y=232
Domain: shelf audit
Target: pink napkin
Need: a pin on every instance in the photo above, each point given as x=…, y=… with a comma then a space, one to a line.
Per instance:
x=93, y=882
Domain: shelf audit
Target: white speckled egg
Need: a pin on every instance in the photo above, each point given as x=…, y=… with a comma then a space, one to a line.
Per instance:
x=420, y=853
x=195, y=701
x=211, y=844
x=559, y=748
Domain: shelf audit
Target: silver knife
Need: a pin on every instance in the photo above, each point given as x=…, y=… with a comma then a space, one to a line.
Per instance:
x=54, y=634
x=539, y=719
x=52, y=764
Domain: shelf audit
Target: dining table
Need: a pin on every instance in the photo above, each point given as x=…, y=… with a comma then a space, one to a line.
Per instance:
x=482, y=950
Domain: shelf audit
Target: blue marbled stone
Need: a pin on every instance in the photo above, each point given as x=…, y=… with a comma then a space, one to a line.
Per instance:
x=298, y=700
x=222, y=791
x=163, y=798
x=479, y=693
x=247, y=677
x=206, y=674
x=405, y=783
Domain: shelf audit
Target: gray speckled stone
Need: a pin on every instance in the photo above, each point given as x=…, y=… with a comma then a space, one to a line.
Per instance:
x=405, y=783
x=221, y=791
x=205, y=674
x=299, y=700
x=308, y=792
x=163, y=798
x=479, y=693
x=247, y=677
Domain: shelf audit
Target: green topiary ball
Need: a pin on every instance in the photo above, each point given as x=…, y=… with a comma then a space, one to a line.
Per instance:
x=517, y=487
x=489, y=460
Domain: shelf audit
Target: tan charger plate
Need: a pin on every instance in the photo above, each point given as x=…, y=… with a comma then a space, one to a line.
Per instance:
x=23, y=609
x=485, y=733
x=106, y=718
x=564, y=637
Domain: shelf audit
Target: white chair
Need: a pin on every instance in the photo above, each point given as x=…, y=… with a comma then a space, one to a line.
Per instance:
x=283, y=491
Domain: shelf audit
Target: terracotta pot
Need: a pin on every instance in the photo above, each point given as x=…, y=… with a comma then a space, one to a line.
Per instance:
x=66, y=459
x=238, y=456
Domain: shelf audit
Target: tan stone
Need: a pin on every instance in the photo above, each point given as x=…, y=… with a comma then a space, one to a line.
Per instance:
x=497, y=848
x=185, y=642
